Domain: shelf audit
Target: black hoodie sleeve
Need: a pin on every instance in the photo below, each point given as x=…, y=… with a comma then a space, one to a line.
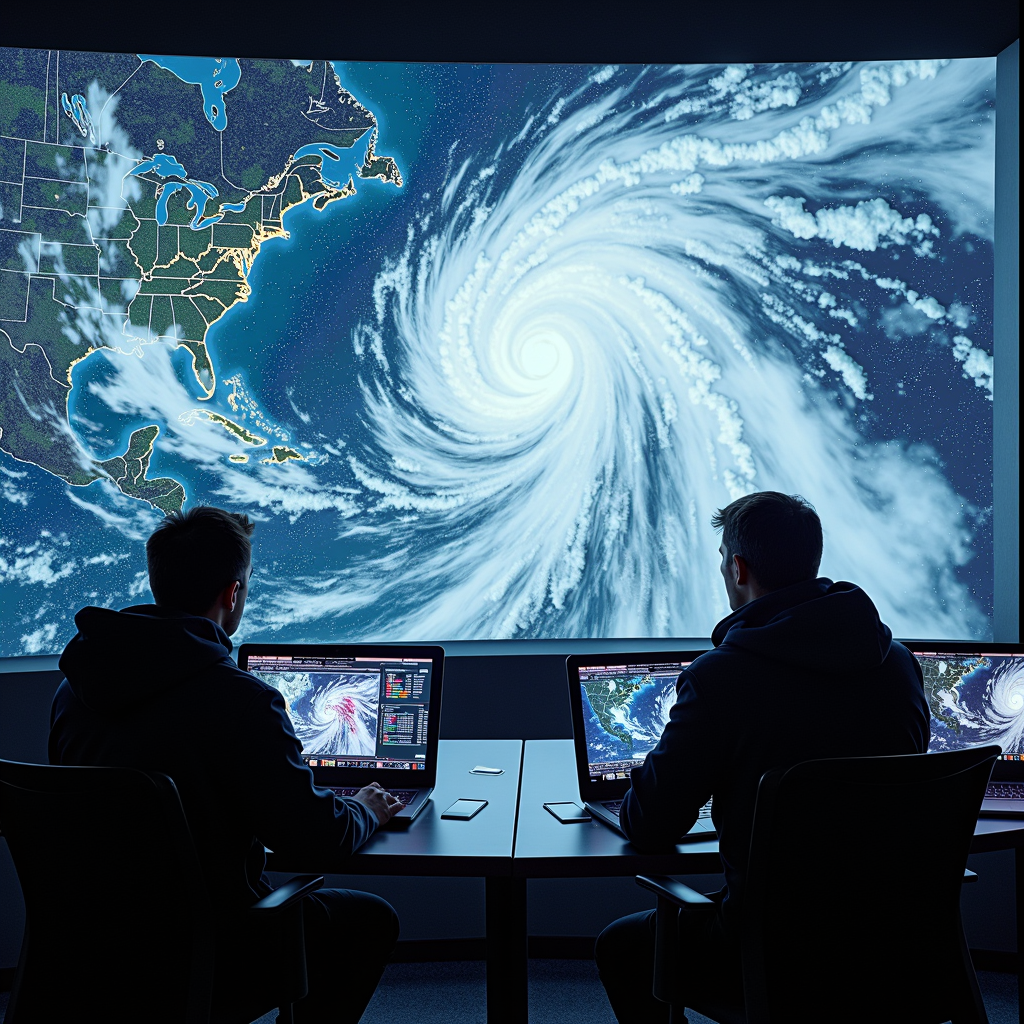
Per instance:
x=288, y=812
x=677, y=777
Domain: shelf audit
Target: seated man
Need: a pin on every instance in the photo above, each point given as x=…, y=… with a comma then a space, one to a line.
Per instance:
x=802, y=669
x=153, y=687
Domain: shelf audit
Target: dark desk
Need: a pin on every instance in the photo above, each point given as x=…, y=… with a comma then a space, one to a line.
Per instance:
x=547, y=849
x=481, y=847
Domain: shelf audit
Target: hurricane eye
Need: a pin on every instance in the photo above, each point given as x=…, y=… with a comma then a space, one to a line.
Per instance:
x=335, y=713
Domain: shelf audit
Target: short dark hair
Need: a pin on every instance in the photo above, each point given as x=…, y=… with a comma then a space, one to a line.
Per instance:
x=192, y=556
x=777, y=535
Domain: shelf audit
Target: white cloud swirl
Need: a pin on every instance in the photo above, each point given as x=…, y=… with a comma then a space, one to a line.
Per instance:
x=594, y=344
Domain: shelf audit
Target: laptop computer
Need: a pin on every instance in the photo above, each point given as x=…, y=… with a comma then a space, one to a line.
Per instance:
x=362, y=712
x=620, y=704
x=975, y=693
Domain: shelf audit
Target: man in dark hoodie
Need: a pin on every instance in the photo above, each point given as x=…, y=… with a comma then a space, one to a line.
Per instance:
x=153, y=687
x=803, y=668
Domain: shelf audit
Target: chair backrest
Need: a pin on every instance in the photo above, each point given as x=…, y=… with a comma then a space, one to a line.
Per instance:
x=118, y=921
x=853, y=889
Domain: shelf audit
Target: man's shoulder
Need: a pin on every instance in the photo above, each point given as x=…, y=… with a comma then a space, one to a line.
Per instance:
x=231, y=679
x=720, y=663
x=221, y=682
x=729, y=672
x=902, y=661
x=715, y=678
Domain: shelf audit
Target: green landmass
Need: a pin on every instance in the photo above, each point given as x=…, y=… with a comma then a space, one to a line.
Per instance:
x=382, y=167
x=608, y=694
x=128, y=471
x=32, y=415
x=239, y=431
x=283, y=454
x=79, y=272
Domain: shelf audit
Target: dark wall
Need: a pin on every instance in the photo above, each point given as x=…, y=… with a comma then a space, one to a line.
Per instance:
x=25, y=699
x=521, y=697
x=595, y=31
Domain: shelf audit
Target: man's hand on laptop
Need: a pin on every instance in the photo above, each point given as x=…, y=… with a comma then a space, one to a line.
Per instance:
x=380, y=801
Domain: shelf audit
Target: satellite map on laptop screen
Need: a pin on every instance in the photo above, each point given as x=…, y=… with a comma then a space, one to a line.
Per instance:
x=975, y=694
x=625, y=709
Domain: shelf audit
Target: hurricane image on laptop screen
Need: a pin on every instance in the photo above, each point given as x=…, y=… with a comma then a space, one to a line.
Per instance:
x=975, y=698
x=356, y=711
x=625, y=710
x=332, y=712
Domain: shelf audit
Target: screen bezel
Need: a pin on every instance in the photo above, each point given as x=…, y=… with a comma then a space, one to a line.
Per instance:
x=606, y=789
x=1002, y=771
x=387, y=777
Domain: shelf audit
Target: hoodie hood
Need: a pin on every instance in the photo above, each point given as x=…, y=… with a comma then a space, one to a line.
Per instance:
x=813, y=625
x=119, y=660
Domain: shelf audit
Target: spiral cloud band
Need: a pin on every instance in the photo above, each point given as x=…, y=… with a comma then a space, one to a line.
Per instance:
x=333, y=713
x=587, y=347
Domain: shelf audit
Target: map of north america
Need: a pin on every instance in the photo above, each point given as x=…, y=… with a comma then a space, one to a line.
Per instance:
x=135, y=194
x=626, y=714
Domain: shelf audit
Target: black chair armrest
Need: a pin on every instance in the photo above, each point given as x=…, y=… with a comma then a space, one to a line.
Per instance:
x=969, y=876
x=673, y=898
x=677, y=893
x=291, y=892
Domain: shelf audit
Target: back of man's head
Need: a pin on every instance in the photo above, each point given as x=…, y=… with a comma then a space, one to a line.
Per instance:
x=777, y=535
x=194, y=555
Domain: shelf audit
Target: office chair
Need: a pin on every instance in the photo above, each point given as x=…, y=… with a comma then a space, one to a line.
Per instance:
x=120, y=925
x=852, y=905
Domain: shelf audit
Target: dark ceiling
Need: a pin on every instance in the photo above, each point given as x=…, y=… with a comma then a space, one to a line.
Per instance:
x=624, y=31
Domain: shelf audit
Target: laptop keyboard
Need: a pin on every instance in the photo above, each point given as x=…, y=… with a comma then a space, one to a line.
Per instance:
x=614, y=805
x=405, y=795
x=1005, y=790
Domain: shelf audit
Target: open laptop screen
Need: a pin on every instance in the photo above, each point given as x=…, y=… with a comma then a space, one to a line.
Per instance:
x=975, y=694
x=354, y=709
x=625, y=707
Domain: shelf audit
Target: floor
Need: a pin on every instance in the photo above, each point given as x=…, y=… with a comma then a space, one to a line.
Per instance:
x=561, y=992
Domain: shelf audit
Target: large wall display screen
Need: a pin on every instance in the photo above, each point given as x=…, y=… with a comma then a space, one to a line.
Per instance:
x=482, y=348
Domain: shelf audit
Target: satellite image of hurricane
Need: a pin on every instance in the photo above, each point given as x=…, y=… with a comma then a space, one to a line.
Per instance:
x=975, y=701
x=624, y=716
x=482, y=348
x=333, y=713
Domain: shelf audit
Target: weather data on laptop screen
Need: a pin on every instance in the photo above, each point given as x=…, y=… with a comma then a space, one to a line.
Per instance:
x=482, y=348
x=625, y=711
x=353, y=712
x=975, y=698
